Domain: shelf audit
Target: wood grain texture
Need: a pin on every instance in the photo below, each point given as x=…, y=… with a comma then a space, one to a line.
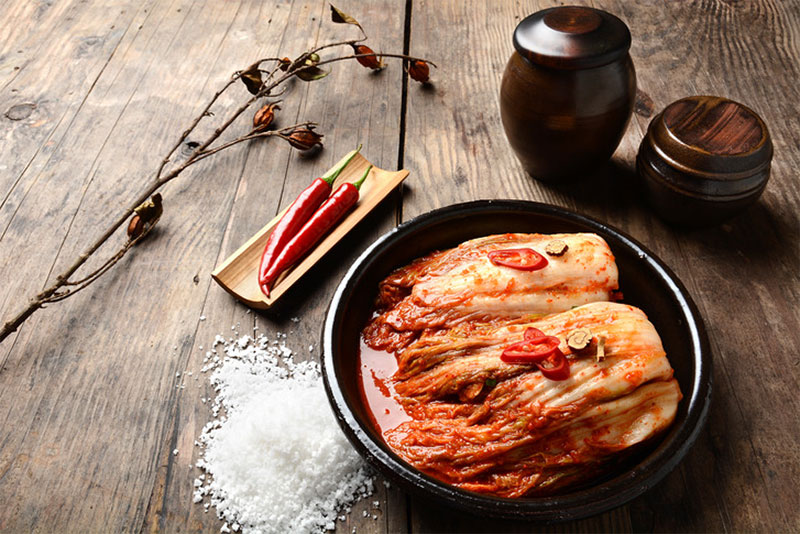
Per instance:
x=92, y=93
x=738, y=272
x=726, y=466
x=114, y=384
x=270, y=179
x=52, y=57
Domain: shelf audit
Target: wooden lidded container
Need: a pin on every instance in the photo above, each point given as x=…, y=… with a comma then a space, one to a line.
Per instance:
x=568, y=91
x=704, y=158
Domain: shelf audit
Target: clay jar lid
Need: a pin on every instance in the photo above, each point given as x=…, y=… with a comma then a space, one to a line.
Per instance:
x=708, y=150
x=572, y=37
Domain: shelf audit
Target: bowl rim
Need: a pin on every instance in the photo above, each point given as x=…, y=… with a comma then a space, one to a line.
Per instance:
x=575, y=505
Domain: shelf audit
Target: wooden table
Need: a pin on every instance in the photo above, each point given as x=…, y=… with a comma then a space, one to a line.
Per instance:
x=92, y=93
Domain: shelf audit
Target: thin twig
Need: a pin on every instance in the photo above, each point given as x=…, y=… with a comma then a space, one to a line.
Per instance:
x=54, y=292
x=376, y=54
x=82, y=284
x=97, y=272
x=254, y=134
x=194, y=124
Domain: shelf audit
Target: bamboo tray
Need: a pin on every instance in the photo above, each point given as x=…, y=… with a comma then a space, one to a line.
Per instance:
x=238, y=274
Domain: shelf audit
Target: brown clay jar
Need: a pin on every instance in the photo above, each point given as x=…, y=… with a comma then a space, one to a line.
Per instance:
x=704, y=159
x=568, y=91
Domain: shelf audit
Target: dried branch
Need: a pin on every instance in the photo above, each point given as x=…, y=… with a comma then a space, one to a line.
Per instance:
x=262, y=83
x=283, y=133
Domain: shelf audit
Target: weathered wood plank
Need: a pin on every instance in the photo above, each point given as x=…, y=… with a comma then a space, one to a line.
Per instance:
x=111, y=373
x=50, y=58
x=724, y=478
x=41, y=99
x=365, y=110
x=352, y=105
x=103, y=364
x=669, y=66
x=169, y=506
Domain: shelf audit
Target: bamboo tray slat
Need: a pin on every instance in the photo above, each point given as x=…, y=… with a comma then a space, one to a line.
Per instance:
x=238, y=274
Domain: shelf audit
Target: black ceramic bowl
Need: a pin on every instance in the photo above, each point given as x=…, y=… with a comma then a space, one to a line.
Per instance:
x=645, y=281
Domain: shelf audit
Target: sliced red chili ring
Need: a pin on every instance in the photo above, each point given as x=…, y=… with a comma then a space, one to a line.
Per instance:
x=532, y=334
x=530, y=350
x=522, y=259
x=555, y=366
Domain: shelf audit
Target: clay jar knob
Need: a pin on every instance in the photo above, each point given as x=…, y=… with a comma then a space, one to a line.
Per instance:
x=704, y=159
x=568, y=91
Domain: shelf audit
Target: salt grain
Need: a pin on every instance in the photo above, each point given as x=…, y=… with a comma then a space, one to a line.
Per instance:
x=280, y=470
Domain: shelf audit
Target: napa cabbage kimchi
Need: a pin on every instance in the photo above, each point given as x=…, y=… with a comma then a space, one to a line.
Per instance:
x=516, y=372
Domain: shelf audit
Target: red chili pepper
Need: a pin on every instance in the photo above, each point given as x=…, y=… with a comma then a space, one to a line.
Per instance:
x=539, y=349
x=318, y=225
x=532, y=334
x=532, y=350
x=297, y=215
x=522, y=259
x=555, y=367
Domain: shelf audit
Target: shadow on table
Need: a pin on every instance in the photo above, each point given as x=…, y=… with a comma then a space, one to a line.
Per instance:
x=613, y=186
x=429, y=517
x=614, y=194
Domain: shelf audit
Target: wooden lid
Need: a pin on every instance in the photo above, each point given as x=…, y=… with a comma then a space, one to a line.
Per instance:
x=718, y=146
x=572, y=37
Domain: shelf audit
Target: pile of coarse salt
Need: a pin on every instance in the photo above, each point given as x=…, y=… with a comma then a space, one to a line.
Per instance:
x=273, y=456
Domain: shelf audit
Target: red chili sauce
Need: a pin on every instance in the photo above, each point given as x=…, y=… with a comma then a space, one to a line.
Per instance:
x=375, y=371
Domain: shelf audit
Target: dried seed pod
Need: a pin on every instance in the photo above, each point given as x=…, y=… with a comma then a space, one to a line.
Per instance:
x=135, y=227
x=371, y=61
x=309, y=72
x=150, y=210
x=579, y=339
x=601, y=349
x=556, y=247
x=284, y=64
x=252, y=78
x=145, y=217
x=264, y=116
x=419, y=71
x=304, y=138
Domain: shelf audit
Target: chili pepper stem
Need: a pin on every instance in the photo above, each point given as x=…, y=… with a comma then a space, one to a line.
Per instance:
x=361, y=180
x=334, y=173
